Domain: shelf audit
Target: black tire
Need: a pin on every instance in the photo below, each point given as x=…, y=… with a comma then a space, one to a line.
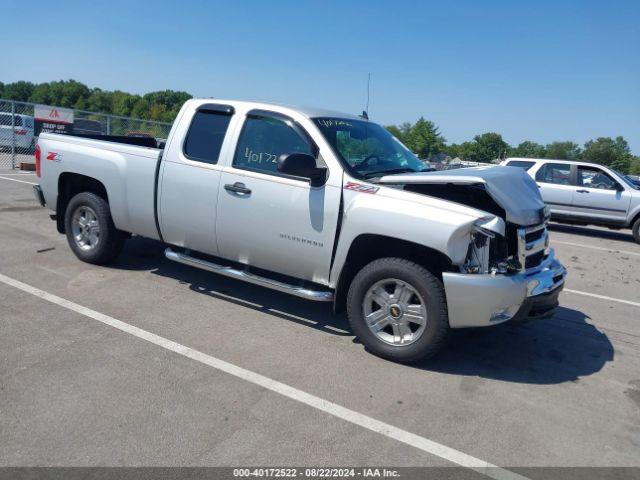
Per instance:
x=635, y=230
x=111, y=240
x=427, y=286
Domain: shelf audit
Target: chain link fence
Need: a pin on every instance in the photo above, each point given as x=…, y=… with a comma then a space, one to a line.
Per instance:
x=18, y=129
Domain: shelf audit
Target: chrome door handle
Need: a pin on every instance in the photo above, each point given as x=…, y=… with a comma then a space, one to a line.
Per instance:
x=237, y=187
x=582, y=191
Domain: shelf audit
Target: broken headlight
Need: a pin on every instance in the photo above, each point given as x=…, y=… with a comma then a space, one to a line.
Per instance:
x=487, y=253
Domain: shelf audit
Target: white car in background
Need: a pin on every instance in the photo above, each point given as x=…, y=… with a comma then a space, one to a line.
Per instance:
x=23, y=132
x=583, y=193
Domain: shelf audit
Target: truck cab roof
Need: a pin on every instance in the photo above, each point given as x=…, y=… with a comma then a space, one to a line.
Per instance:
x=309, y=112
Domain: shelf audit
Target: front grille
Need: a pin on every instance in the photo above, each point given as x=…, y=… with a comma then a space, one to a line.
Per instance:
x=535, y=235
x=534, y=260
x=532, y=246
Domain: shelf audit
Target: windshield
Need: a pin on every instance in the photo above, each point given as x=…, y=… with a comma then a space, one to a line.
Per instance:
x=367, y=148
x=628, y=180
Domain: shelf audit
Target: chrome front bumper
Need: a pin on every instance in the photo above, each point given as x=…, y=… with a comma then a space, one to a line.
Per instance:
x=475, y=300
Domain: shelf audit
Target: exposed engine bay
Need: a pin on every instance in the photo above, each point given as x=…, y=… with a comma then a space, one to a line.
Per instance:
x=523, y=242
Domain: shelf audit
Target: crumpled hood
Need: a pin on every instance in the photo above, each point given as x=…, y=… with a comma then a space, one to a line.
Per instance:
x=510, y=187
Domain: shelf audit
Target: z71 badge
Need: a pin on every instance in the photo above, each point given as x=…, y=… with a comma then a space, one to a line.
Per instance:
x=53, y=156
x=359, y=187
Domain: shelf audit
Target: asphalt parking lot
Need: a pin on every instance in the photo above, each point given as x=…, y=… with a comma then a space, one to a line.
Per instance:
x=75, y=391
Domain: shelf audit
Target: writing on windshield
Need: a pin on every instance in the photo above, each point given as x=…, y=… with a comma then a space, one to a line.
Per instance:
x=367, y=148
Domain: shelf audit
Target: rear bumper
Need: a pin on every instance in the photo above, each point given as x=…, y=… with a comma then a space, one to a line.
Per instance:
x=483, y=300
x=37, y=192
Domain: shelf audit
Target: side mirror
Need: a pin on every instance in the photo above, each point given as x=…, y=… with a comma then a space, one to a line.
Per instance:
x=302, y=165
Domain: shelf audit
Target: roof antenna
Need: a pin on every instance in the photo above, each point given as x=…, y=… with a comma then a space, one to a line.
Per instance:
x=365, y=112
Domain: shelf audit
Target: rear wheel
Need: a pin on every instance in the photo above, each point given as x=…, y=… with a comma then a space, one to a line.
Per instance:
x=635, y=229
x=398, y=310
x=90, y=230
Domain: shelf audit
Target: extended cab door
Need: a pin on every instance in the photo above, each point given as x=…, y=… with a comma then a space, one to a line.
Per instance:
x=598, y=195
x=556, y=187
x=270, y=220
x=190, y=176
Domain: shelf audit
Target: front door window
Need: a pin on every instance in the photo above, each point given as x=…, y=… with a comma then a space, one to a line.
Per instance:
x=593, y=177
x=264, y=139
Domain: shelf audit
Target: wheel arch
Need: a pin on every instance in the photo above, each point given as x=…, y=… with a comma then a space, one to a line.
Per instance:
x=369, y=247
x=69, y=185
x=635, y=216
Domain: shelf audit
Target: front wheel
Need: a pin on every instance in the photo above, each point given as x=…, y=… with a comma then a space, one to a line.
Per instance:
x=398, y=310
x=90, y=230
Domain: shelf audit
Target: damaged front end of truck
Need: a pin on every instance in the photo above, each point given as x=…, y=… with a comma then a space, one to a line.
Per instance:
x=509, y=271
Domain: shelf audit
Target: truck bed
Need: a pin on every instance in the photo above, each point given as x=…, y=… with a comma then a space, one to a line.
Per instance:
x=139, y=141
x=127, y=172
x=116, y=143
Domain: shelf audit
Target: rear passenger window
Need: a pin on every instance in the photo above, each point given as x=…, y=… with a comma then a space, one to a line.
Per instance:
x=558, y=173
x=205, y=136
x=521, y=163
x=264, y=139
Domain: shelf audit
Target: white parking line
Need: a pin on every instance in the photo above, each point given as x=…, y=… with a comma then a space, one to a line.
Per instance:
x=364, y=421
x=615, y=250
x=16, y=180
x=602, y=297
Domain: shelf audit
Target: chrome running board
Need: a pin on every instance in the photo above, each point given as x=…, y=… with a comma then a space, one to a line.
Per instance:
x=232, y=272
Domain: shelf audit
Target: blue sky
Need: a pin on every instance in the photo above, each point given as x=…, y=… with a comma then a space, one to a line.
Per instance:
x=534, y=70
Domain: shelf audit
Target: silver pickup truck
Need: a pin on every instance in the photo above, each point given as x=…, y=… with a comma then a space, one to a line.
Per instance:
x=317, y=204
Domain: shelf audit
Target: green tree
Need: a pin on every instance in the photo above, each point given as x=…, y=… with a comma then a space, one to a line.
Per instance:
x=424, y=139
x=99, y=101
x=395, y=131
x=563, y=151
x=614, y=153
x=490, y=146
x=123, y=103
x=162, y=105
x=140, y=109
x=72, y=91
x=529, y=149
x=41, y=94
x=634, y=168
x=157, y=112
x=399, y=131
x=484, y=148
x=462, y=150
x=19, y=91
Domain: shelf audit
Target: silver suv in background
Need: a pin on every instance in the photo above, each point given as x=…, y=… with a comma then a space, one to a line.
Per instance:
x=584, y=193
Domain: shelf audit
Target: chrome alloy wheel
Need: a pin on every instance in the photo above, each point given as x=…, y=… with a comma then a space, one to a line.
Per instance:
x=85, y=228
x=395, y=312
